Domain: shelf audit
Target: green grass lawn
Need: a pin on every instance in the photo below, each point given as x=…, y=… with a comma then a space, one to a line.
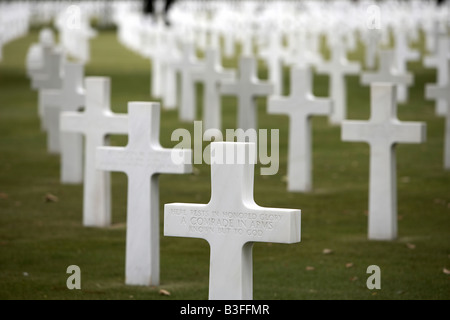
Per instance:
x=40, y=239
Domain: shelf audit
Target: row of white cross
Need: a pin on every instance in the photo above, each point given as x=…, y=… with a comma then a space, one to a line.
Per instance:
x=14, y=22
x=143, y=159
x=248, y=87
x=231, y=221
x=70, y=18
x=268, y=25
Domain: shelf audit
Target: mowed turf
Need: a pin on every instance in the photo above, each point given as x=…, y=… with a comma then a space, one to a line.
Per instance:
x=39, y=239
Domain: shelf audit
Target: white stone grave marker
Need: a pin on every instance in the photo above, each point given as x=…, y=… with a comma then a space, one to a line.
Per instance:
x=403, y=54
x=143, y=159
x=188, y=65
x=171, y=57
x=439, y=61
x=35, y=54
x=49, y=78
x=337, y=68
x=71, y=97
x=274, y=54
x=300, y=106
x=371, y=39
x=96, y=123
x=387, y=72
x=231, y=222
x=212, y=75
x=442, y=92
x=383, y=131
x=247, y=87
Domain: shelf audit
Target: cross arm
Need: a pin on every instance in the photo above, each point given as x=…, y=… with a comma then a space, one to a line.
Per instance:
x=279, y=105
x=72, y=121
x=324, y=68
x=110, y=159
x=251, y=224
x=273, y=225
x=410, y=132
x=228, y=87
x=263, y=88
x=116, y=123
x=182, y=220
x=319, y=106
x=356, y=131
x=437, y=92
x=352, y=68
x=51, y=97
x=174, y=161
x=227, y=75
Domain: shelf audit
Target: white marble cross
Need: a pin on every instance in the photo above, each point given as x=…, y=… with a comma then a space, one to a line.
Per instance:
x=247, y=87
x=442, y=93
x=188, y=65
x=337, y=68
x=387, y=72
x=71, y=97
x=96, y=123
x=49, y=78
x=212, y=75
x=403, y=54
x=382, y=132
x=274, y=54
x=143, y=159
x=300, y=106
x=171, y=57
x=371, y=40
x=156, y=54
x=231, y=222
x=439, y=61
x=35, y=54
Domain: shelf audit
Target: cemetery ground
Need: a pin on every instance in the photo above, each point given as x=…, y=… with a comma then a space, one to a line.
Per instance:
x=41, y=231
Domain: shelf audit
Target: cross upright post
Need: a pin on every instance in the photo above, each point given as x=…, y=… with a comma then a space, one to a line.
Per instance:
x=95, y=123
x=337, y=68
x=143, y=160
x=188, y=66
x=247, y=87
x=387, y=72
x=382, y=132
x=71, y=97
x=212, y=77
x=442, y=93
x=300, y=106
x=439, y=61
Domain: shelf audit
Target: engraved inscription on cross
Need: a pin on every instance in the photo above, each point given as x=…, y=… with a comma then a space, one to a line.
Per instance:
x=95, y=123
x=143, y=159
x=387, y=72
x=71, y=97
x=441, y=92
x=382, y=132
x=300, y=106
x=247, y=87
x=231, y=222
